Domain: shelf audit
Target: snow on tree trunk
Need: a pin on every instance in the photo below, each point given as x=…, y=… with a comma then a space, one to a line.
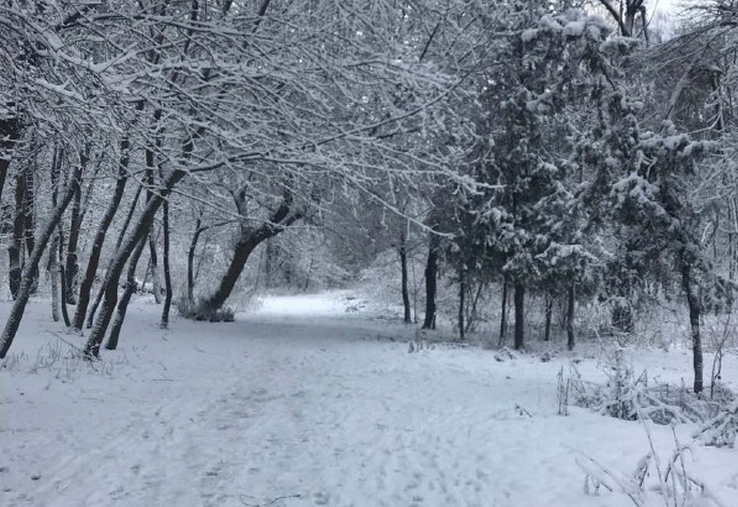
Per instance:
x=71, y=269
x=15, y=248
x=140, y=230
x=167, y=270
x=154, y=263
x=129, y=287
x=54, y=276
x=94, y=260
x=28, y=277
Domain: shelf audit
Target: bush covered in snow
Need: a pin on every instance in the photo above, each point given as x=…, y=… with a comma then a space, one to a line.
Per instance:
x=627, y=396
x=721, y=430
x=196, y=312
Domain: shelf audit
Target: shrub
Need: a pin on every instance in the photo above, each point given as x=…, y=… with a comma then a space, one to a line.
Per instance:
x=202, y=313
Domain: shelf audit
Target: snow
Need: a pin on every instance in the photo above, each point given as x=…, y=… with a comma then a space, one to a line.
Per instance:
x=529, y=34
x=306, y=400
x=574, y=28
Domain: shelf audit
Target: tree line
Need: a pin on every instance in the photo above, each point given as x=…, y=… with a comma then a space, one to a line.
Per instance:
x=557, y=148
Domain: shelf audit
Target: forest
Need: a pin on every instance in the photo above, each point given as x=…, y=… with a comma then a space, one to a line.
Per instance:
x=532, y=179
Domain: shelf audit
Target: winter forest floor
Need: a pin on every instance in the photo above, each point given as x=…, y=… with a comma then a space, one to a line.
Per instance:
x=299, y=403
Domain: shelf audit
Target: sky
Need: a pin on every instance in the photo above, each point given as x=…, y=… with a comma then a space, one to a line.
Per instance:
x=667, y=5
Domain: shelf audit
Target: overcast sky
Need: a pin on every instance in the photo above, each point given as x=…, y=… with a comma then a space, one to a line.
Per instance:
x=668, y=5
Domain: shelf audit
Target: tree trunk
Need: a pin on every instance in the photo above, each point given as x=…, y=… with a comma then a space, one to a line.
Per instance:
x=549, y=311
x=731, y=268
x=462, y=302
x=503, y=317
x=128, y=289
x=191, y=261
x=56, y=251
x=629, y=24
x=53, y=265
x=10, y=129
x=72, y=263
x=141, y=228
x=63, y=283
x=119, y=241
x=309, y=273
x=403, y=279
x=150, y=181
x=29, y=225
x=519, y=316
x=167, y=271
x=269, y=265
x=431, y=273
x=694, y=323
x=15, y=248
x=570, y=317
x=248, y=240
x=27, y=279
x=246, y=244
x=87, y=281
x=54, y=276
x=155, y=279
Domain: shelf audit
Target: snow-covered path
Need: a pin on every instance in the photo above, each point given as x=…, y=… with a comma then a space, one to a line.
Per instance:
x=287, y=408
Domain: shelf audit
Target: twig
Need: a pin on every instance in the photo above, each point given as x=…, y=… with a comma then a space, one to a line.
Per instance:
x=267, y=502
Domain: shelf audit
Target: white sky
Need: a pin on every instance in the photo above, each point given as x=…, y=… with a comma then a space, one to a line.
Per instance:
x=668, y=5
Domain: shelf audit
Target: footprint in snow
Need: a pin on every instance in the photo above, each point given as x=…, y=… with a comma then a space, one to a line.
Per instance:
x=321, y=498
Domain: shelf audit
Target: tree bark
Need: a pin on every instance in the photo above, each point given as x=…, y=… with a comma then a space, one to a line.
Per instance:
x=150, y=179
x=87, y=281
x=167, y=270
x=404, y=279
x=155, y=279
x=269, y=262
x=128, y=289
x=570, y=343
x=139, y=231
x=519, y=315
x=10, y=130
x=549, y=311
x=27, y=279
x=191, y=261
x=503, y=317
x=431, y=273
x=54, y=275
x=29, y=224
x=53, y=265
x=72, y=262
x=56, y=251
x=15, y=248
x=695, y=309
x=462, y=302
x=63, y=284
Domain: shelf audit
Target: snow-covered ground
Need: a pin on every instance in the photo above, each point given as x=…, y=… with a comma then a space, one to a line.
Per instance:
x=307, y=401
